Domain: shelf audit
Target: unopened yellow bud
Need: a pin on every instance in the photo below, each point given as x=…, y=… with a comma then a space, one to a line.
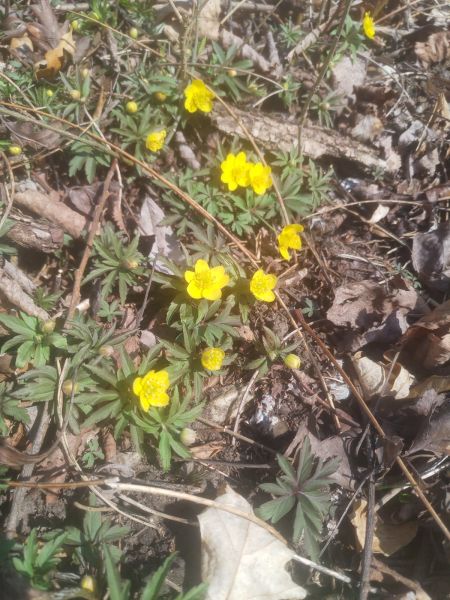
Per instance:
x=88, y=583
x=85, y=73
x=15, y=150
x=48, y=326
x=133, y=33
x=106, y=351
x=75, y=95
x=160, y=96
x=69, y=386
x=188, y=436
x=131, y=107
x=49, y=93
x=130, y=264
x=292, y=361
x=75, y=25
x=232, y=72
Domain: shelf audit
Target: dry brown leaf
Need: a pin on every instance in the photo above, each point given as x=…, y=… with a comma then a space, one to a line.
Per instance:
x=435, y=50
x=388, y=538
x=374, y=377
x=431, y=253
x=55, y=57
x=23, y=44
x=371, y=314
x=426, y=344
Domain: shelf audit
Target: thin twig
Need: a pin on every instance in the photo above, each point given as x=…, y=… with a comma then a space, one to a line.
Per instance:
x=90, y=241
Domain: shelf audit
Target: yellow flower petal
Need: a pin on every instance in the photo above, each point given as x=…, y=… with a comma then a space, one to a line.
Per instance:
x=194, y=291
x=201, y=266
x=189, y=276
x=284, y=252
x=137, y=385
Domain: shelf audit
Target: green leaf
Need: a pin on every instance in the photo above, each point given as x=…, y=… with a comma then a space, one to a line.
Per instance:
x=117, y=590
x=18, y=325
x=153, y=587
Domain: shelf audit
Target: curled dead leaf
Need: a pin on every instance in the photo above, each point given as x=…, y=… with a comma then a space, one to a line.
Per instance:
x=379, y=378
x=388, y=538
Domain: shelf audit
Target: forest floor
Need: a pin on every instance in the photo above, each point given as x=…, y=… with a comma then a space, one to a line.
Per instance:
x=224, y=324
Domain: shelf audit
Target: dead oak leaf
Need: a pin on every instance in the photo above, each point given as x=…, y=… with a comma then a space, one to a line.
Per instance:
x=435, y=50
x=55, y=58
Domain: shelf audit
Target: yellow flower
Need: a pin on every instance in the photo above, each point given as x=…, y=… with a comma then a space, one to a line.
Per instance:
x=260, y=178
x=198, y=97
x=368, y=26
x=212, y=358
x=289, y=238
x=155, y=140
x=206, y=282
x=261, y=286
x=235, y=171
x=151, y=389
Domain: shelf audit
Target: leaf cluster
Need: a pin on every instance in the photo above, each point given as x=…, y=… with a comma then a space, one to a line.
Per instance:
x=305, y=489
x=32, y=340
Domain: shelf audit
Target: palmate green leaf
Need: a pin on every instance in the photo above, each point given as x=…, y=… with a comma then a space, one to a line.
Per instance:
x=305, y=461
x=274, y=510
x=287, y=468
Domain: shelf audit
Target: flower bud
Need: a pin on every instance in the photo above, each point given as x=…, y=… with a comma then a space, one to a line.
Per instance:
x=131, y=107
x=15, y=150
x=88, y=583
x=133, y=33
x=160, y=96
x=232, y=72
x=292, y=361
x=106, y=351
x=85, y=73
x=49, y=93
x=69, y=386
x=188, y=436
x=75, y=25
x=48, y=326
x=130, y=264
x=75, y=94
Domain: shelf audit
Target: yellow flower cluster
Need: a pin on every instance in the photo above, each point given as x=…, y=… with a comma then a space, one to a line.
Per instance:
x=368, y=25
x=155, y=140
x=212, y=359
x=238, y=172
x=152, y=389
x=198, y=97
